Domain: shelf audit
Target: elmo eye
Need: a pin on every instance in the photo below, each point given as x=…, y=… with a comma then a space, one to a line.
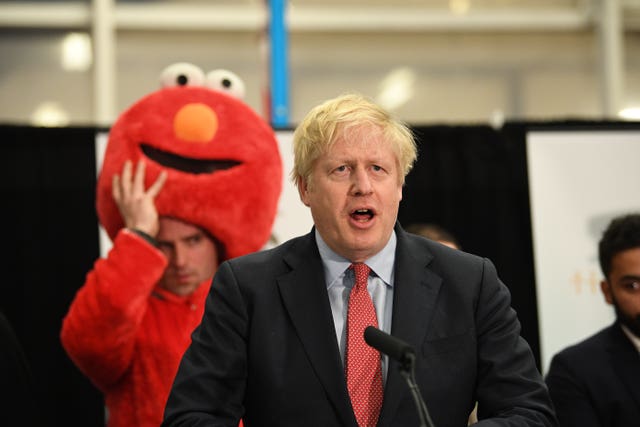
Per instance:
x=182, y=74
x=226, y=81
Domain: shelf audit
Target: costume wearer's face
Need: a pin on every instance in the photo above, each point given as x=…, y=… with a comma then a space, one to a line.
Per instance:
x=192, y=256
x=622, y=289
x=354, y=193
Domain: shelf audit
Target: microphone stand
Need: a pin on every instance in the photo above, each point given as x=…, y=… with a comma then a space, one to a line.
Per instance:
x=402, y=352
x=408, y=372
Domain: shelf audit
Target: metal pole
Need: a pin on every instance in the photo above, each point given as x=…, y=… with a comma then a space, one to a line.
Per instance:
x=611, y=35
x=104, y=87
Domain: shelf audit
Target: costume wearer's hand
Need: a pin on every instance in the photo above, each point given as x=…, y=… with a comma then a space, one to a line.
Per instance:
x=136, y=205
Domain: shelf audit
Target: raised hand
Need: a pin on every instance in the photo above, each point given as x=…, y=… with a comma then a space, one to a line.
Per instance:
x=137, y=205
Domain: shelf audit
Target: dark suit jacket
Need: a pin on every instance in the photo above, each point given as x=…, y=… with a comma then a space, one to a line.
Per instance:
x=597, y=381
x=266, y=349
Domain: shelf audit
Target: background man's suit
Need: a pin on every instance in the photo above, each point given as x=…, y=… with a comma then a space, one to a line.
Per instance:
x=280, y=352
x=597, y=381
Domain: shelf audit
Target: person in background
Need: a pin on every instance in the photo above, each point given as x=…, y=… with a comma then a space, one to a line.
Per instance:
x=281, y=340
x=205, y=189
x=129, y=324
x=596, y=382
x=434, y=232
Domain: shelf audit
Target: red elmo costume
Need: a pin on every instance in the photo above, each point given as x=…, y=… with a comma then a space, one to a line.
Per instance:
x=225, y=175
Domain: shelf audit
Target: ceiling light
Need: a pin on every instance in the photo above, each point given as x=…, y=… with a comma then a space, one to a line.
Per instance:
x=459, y=7
x=630, y=113
x=49, y=114
x=396, y=88
x=76, y=52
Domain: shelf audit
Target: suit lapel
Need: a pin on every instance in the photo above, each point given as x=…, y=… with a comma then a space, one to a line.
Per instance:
x=625, y=361
x=305, y=298
x=415, y=292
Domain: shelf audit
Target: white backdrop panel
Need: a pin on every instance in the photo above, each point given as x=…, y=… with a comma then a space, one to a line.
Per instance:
x=293, y=218
x=578, y=181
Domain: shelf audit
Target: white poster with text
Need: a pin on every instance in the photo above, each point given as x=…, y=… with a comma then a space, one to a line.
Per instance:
x=578, y=181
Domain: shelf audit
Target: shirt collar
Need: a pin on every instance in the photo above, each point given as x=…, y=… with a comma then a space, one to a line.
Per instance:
x=335, y=265
x=634, y=339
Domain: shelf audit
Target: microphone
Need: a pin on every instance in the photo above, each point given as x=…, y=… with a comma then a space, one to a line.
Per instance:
x=406, y=355
x=390, y=345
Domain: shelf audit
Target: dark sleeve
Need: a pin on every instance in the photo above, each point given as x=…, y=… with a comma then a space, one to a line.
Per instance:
x=570, y=395
x=510, y=389
x=209, y=387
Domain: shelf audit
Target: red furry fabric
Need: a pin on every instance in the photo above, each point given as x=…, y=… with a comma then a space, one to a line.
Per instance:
x=138, y=331
x=224, y=175
x=236, y=205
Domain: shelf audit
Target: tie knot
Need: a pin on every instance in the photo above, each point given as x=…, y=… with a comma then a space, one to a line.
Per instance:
x=361, y=272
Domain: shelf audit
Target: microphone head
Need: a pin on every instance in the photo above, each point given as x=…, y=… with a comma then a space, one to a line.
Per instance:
x=389, y=345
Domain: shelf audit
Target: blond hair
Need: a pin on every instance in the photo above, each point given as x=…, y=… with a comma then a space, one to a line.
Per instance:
x=335, y=117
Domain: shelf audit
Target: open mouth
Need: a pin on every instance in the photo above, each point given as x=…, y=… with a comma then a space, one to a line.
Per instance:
x=362, y=215
x=185, y=164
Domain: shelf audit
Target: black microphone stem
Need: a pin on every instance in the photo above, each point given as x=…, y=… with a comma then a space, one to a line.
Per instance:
x=407, y=370
x=406, y=357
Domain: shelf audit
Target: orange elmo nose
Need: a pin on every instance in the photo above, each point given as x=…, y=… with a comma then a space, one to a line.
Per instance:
x=195, y=123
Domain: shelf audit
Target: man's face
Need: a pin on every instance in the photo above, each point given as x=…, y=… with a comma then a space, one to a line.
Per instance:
x=192, y=256
x=622, y=288
x=354, y=193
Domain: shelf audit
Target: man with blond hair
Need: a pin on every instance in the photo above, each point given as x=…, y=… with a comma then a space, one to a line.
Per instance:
x=280, y=343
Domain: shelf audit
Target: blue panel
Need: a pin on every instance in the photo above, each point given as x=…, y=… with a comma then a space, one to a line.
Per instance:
x=278, y=47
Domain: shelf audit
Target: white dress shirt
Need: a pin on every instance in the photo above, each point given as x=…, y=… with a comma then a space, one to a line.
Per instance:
x=339, y=280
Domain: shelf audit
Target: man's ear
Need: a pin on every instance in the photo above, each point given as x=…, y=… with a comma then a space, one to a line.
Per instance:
x=605, y=287
x=303, y=190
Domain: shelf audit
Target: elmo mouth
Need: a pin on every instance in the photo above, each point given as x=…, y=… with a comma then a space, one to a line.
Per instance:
x=362, y=214
x=185, y=164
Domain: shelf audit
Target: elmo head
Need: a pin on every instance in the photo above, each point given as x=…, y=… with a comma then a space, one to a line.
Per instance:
x=223, y=162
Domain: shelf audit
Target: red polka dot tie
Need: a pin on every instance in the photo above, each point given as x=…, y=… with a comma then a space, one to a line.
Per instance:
x=362, y=368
